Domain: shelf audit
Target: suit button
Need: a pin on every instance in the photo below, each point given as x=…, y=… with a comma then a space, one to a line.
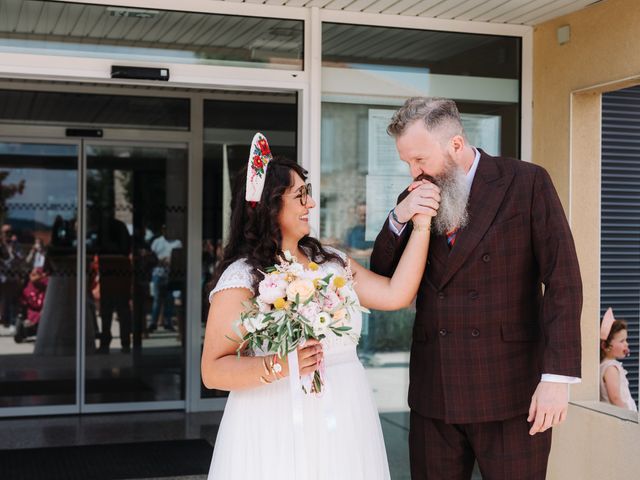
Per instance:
x=475, y=332
x=486, y=257
x=473, y=294
x=443, y=332
x=441, y=295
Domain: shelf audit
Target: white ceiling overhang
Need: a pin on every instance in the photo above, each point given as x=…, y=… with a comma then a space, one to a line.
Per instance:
x=515, y=12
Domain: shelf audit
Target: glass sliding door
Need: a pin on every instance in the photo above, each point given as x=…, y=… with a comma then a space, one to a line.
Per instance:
x=136, y=236
x=38, y=274
x=93, y=248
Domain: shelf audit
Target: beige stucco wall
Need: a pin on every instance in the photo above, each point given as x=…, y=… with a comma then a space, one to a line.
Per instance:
x=603, y=54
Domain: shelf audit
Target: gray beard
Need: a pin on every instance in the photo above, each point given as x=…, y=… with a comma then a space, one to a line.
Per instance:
x=453, y=200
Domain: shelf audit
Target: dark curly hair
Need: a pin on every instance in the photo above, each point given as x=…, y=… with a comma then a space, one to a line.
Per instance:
x=255, y=234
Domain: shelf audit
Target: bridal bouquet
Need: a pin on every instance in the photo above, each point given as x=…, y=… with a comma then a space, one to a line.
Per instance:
x=295, y=304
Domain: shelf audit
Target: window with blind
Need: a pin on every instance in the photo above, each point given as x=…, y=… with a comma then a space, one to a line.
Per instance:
x=620, y=217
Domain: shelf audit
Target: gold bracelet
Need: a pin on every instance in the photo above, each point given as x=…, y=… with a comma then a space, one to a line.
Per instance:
x=271, y=369
x=267, y=371
x=265, y=378
x=424, y=227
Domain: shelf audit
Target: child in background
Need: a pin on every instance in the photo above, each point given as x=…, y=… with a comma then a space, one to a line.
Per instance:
x=614, y=386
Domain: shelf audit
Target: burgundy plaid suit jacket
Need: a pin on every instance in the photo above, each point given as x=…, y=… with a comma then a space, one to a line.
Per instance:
x=484, y=331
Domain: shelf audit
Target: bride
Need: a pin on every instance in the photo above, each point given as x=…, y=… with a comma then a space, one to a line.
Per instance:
x=341, y=433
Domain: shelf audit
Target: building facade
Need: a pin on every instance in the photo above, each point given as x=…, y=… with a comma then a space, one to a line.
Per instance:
x=116, y=180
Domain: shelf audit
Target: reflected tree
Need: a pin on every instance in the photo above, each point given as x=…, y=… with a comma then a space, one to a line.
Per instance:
x=7, y=191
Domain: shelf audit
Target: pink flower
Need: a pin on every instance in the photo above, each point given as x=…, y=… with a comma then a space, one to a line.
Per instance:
x=271, y=288
x=330, y=300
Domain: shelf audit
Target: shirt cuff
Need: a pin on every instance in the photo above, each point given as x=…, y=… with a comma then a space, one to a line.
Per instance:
x=393, y=227
x=550, y=377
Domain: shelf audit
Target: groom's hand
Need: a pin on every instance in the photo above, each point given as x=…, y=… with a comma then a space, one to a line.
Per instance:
x=549, y=405
x=423, y=198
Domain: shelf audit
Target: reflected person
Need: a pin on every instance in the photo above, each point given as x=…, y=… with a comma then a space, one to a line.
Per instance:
x=114, y=257
x=163, y=298
x=11, y=281
x=356, y=236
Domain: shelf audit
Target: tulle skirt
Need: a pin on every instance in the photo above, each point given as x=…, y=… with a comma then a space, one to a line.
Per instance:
x=342, y=433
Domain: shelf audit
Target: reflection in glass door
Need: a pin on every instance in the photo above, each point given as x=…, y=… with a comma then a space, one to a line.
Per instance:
x=38, y=274
x=136, y=233
x=134, y=225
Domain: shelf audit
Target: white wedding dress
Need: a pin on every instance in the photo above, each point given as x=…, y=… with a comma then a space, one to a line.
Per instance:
x=341, y=428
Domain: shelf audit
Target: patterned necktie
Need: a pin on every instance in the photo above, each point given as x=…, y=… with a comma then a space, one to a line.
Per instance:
x=452, y=235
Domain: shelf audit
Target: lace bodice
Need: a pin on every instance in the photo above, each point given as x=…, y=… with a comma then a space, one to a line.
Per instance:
x=238, y=275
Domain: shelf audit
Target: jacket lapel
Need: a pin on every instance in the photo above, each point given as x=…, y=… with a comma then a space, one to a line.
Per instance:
x=438, y=248
x=487, y=192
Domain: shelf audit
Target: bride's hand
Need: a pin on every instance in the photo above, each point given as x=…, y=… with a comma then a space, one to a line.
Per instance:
x=309, y=357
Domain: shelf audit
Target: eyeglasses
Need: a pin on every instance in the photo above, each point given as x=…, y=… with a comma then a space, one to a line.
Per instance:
x=303, y=193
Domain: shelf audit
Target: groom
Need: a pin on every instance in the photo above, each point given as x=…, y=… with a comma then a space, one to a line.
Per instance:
x=496, y=339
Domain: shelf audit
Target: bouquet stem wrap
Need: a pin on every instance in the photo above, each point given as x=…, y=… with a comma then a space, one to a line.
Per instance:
x=300, y=456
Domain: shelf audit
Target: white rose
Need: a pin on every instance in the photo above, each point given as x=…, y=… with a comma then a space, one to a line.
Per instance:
x=311, y=275
x=263, y=307
x=248, y=324
x=260, y=322
x=303, y=289
x=271, y=288
x=321, y=323
x=296, y=269
x=310, y=311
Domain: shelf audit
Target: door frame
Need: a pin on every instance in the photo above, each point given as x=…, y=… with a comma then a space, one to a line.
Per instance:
x=194, y=140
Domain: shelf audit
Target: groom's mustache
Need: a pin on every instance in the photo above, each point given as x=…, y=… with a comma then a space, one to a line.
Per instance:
x=424, y=176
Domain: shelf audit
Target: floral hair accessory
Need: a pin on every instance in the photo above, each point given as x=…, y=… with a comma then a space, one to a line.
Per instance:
x=259, y=158
x=607, y=323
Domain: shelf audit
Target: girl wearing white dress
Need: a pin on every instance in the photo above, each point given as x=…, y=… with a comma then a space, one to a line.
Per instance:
x=614, y=385
x=341, y=429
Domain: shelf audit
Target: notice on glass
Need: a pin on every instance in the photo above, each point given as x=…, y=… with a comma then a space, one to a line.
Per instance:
x=382, y=193
x=382, y=154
